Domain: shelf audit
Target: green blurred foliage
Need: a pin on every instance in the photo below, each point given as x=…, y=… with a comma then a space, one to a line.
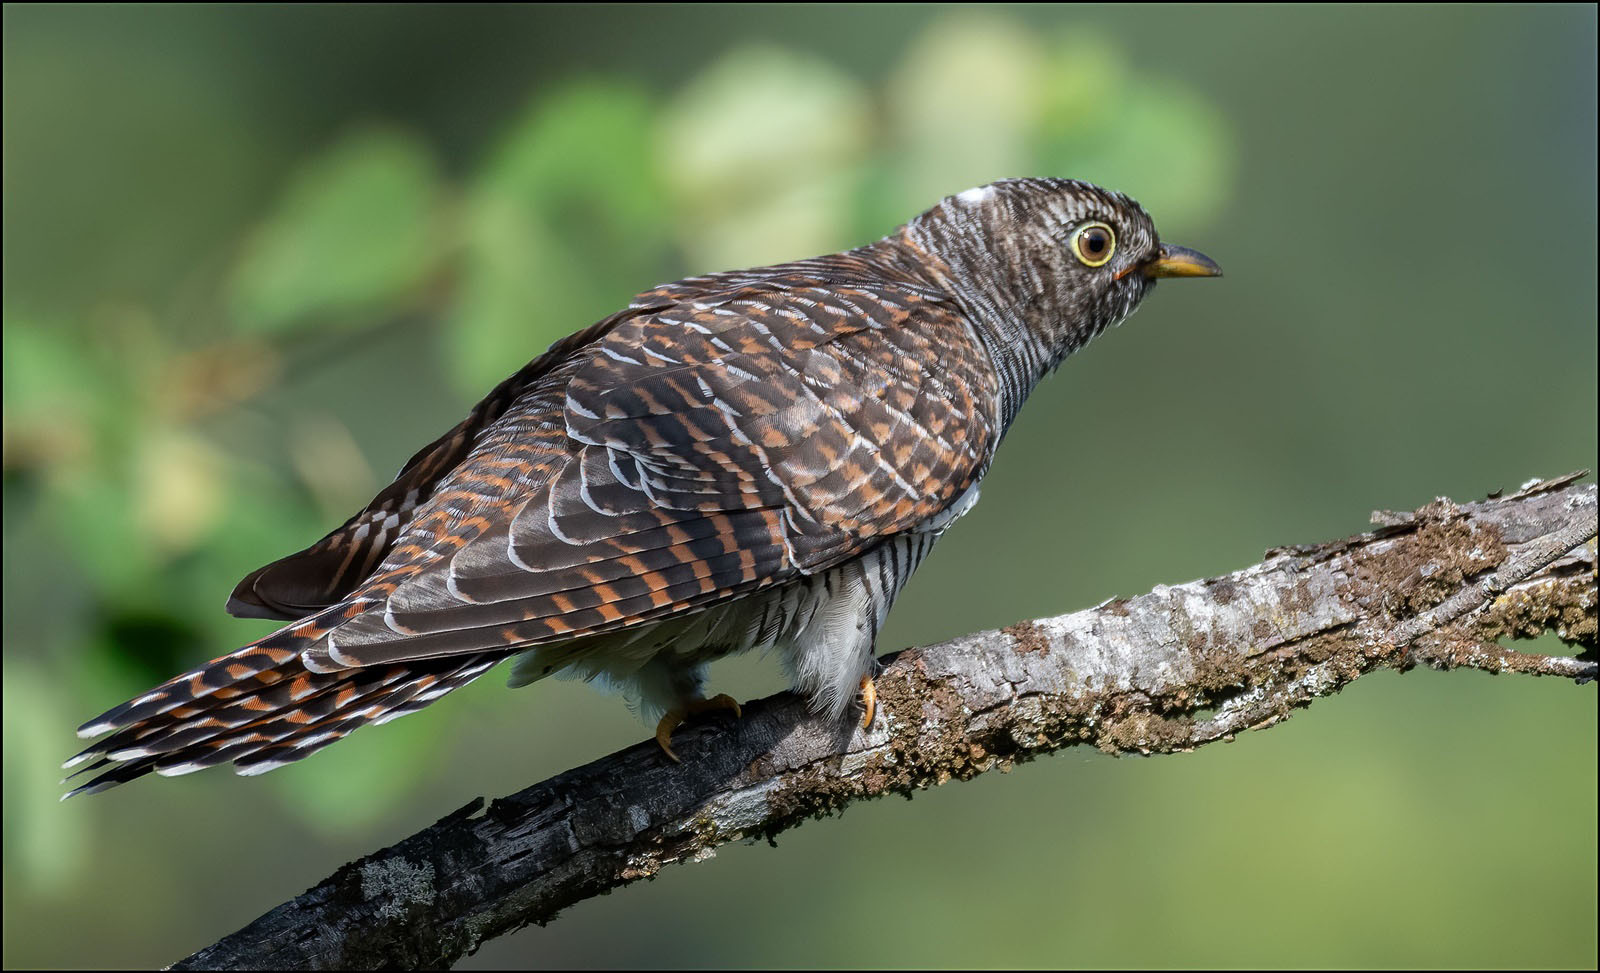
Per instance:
x=763, y=152
x=564, y=219
x=355, y=230
x=254, y=258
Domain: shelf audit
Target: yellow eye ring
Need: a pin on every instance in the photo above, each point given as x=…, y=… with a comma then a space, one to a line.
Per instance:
x=1094, y=244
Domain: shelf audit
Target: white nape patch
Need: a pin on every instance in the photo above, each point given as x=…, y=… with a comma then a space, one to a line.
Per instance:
x=976, y=194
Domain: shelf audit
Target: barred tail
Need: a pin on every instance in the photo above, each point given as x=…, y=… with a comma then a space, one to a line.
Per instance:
x=260, y=708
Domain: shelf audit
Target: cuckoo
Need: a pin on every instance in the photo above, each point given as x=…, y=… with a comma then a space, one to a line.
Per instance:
x=756, y=459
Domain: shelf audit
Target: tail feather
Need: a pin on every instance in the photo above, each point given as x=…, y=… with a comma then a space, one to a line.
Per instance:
x=265, y=719
x=161, y=735
x=263, y=662
x=120, y=774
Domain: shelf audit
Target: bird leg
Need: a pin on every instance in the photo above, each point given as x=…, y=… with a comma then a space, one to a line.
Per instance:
x=694, y=707
x=869, y=701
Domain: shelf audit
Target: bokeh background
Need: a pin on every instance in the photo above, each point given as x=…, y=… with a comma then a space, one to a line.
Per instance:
x=253, y=257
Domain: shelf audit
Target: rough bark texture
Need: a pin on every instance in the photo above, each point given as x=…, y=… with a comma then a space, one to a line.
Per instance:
x=1167, y=671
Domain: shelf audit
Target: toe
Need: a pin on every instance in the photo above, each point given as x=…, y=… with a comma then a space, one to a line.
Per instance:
x=869, y=701
x=664, y=733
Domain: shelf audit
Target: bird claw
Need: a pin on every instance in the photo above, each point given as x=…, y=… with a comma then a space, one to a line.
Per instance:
x=869, y=701
x=674, y=717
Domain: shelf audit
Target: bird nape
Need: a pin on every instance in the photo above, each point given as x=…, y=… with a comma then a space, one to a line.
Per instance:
x=752, y=459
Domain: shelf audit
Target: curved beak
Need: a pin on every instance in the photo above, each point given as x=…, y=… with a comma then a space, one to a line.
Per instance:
x=1180, y=262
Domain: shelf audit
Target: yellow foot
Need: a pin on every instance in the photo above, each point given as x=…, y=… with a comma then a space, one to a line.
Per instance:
x=695, y=707
x=869, y=701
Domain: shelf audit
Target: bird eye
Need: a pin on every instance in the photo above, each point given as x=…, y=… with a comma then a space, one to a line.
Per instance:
x=1094, y=243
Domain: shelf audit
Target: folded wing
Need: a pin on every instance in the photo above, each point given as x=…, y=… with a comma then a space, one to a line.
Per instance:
x=722, y=435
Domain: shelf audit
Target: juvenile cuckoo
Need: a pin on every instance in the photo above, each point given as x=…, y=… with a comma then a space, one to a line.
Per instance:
x=756, y=459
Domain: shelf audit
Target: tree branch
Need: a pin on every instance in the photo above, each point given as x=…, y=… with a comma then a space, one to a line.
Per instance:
x=1165, y=672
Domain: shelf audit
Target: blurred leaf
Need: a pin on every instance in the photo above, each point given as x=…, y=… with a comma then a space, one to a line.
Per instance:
x=43, y=367
x=94, y=514
x=331, y=464
x=47, y=846
x=565, y=223
x=977, y=99
x=1084, y=78
x=179, y=488
x=50, y=400
x=356, y=228
x=962, y=103
x=1165, y=145
x=517, y=296
x=763, y=151
x=577, y=158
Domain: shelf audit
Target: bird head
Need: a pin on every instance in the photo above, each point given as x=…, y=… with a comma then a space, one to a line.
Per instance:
x=1059, y=259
